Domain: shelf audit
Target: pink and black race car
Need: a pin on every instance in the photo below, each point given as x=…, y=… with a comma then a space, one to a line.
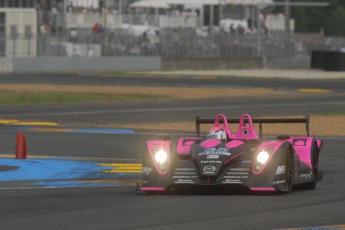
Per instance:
x=223, y=158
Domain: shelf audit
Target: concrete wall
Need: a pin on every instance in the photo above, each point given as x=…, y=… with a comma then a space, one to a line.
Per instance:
x=6, y=65
x=77, y=64
x=211, y=63
x=81, y=64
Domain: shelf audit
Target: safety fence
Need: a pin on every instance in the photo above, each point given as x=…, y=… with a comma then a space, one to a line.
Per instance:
x=165, y=42
x=133, y=36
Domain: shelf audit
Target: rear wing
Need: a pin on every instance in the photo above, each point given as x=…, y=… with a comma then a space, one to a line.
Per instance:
x=260, y=121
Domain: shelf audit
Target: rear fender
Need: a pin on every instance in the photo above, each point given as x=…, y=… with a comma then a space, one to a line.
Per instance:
x=303, y=148
x=319, y=144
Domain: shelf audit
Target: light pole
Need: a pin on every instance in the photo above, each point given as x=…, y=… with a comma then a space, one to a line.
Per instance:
x=120, y=7
x=287, y=9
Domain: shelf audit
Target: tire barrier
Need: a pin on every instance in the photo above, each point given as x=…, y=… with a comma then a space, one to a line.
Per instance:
x=328, y=60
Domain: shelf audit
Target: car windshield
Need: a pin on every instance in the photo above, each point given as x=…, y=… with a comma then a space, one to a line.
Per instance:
x=219, y=135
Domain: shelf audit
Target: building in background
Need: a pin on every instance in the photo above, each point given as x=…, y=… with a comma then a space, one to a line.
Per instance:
x=18, y=3
x=166, y=28
x=18, y=32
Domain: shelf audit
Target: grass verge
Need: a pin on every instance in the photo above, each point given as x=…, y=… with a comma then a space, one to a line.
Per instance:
x=45, y=93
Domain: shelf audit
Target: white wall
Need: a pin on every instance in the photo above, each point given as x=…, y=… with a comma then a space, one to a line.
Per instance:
x=20, y=18
x=77, y=64
x=88, y=19
x=85, y=3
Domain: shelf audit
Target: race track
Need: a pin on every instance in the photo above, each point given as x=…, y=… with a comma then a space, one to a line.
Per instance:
x=121, y=207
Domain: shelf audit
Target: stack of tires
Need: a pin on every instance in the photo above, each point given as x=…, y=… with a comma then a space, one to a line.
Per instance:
x=328, y=60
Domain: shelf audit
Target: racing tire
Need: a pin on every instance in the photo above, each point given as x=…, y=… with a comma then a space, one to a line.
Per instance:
x=315, y=170
x=289, y=172
x=153, y=193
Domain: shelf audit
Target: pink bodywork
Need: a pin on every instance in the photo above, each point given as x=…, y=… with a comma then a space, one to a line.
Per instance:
x=319, y=144
x=210, y=143
x=234, y=144
x=154, y=146
x=246, y=130
x=302, y=146
x=262, y=189
x=184, y=144
x=148, y=189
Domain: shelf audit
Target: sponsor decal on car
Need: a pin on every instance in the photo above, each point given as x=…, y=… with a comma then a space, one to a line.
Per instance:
x=215, y=151
x=212, y=156
x=307, y=176
x=246, y=162
x=280, y=170
x=279, y=182
x=239, y=169
x=183, y=181
x=146, y=170
x=185, y=169
x=231, y=181
x=211, y=162
x=237, y=173
x=184, y=177
x=185, y=173
x=236, y=177
x=209, y=169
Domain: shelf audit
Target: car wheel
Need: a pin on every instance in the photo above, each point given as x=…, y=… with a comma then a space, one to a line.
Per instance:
x=315, y=164
x=289, y=162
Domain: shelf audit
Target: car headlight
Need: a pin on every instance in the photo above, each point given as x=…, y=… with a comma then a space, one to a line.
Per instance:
x=261, y=160
x=262, y=157
x=161, y=156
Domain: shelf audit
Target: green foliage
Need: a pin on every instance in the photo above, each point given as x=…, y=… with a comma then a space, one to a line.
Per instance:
x=312, y=19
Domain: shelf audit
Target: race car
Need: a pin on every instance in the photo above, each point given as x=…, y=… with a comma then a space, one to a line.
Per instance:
x=222, y=158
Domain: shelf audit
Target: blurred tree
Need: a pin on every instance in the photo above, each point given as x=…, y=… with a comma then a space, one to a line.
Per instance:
x=330, y=19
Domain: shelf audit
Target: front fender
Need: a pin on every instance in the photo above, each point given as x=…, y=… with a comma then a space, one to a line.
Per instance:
x=154, y=177
x=272, y=148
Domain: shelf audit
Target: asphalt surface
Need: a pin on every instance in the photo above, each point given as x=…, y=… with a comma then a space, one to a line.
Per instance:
x=178, y=110
x=124, y=208
x=175, y=111
x=90, y=79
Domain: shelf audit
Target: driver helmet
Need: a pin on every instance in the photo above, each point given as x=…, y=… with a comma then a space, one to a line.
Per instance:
x=217, y=133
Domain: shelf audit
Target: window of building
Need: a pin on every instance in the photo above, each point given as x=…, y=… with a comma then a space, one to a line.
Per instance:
x=2, y=34
x=10, y=4
x=30, y=3
x=13, y=32
x=28, y=32
x=25, y=3
x=2, y=18
x=18, y=3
